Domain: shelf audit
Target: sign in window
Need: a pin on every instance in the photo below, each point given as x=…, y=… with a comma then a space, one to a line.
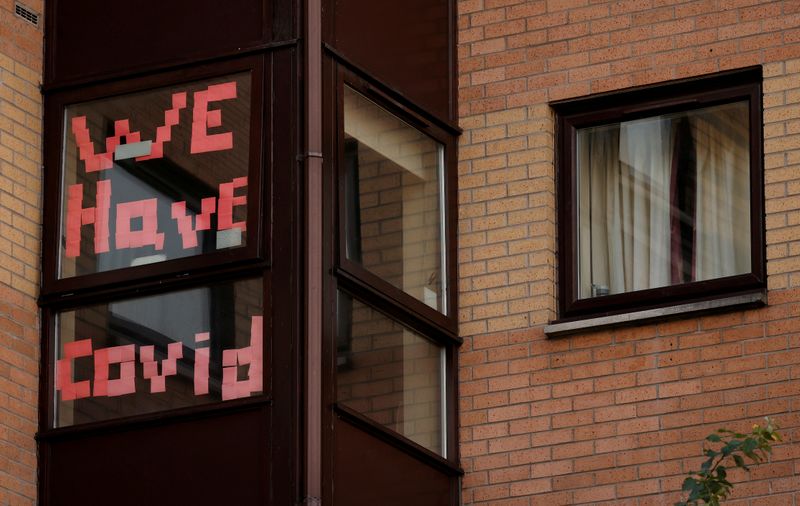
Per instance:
x=155, y=175
x=161, y=352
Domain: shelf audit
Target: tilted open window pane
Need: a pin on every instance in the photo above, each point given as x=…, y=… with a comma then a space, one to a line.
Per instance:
x=159, y=352
x=394, y=192
x=664, y=200
x=390, y=374
x=155, y=175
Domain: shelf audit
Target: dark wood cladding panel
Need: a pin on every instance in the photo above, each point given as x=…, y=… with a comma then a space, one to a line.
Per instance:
x=368, y=471
x=95, y=38
x=216, y=460
x=404, y=44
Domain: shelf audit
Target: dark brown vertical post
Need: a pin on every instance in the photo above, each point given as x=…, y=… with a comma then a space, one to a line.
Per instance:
x=313, y=244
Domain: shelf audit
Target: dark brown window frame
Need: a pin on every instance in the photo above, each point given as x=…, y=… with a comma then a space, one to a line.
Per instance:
x=355, y=280
x=353, y=270
x=254, y=251
x=675, y=96
x=251, y=261
x=48, y=430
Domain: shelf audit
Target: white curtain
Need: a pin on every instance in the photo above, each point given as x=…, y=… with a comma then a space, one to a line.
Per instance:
x=723, y=189
x=625, y=188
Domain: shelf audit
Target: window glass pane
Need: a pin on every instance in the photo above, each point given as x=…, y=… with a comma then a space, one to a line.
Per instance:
x=390, y=373
x=161, y=352
x=664, y=200
x=394, y=191
x=155, y=175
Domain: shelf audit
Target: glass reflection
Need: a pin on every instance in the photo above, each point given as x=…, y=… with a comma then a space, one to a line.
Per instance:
x=155, y=175
x=664, y=200
x=390, y=374
x=394, y=191
x=160, y=352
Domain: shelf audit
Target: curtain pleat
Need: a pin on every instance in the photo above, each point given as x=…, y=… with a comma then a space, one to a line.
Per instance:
x=664, y=201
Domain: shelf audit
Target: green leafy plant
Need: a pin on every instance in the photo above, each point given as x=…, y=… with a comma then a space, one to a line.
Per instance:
x=709, y=485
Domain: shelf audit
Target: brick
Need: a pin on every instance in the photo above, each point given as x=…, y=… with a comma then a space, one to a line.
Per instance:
x=508, y=413
x=530, y=456
x=616, y=382
x=573, y=450
x=511, y=443
x=609, y=413
x=526, y=9
x=595, y=431
x=604, y=493
x=607, y=476
x=573, y=388
x=529, y=487
x=552, y=468
x=490, y=492
x=505, y=28
x=531, y=394
x=576, y=480
x=509, y=474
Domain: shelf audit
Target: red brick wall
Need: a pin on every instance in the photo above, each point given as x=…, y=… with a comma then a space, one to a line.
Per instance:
x=20, y=233
x=613, y=416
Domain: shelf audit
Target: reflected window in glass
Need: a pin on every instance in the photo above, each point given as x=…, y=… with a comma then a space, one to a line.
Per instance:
x=391, y=374
x=394, y=192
